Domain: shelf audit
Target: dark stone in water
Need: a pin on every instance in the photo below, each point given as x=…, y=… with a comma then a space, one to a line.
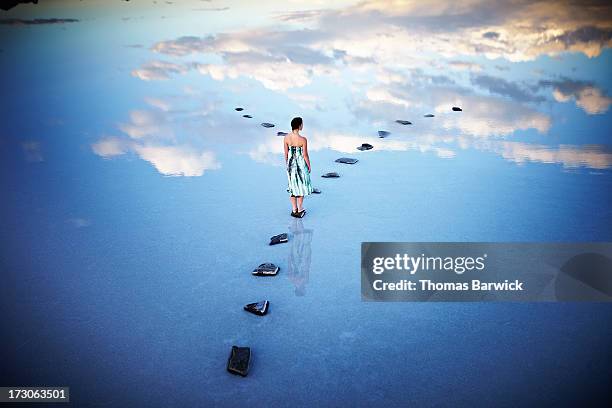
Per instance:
x=457, y=109
x=238, y=362
x=281, y=133
x=266, y=269
x=316, y=191
x=277, y=239
x=346, y=160
x=239, y=109
x=247, y=116
x=429, y=115
x=331, y=175
x=365, y=146
x=383, y=133
x=258, y=308
x=404, y=122
x=267, y=125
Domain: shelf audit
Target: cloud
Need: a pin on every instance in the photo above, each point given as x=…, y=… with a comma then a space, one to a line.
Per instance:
x=269, y=150
x=109, y=147
x=518, y=30
x=586, y=39
x=147, y=123
x=595, y=157
x=275, y=59
x=184, y=46
x=158, y=70
x=396, y=35
x=178, y=160
x=492, y=35
x=158, y=103
x=300, y=15
x=211, y=9
x=36, y=21
x=502, y=87
x=586, y=95
x=307, y=101
x=150, y=134
x=483, y=115
x=465, y=66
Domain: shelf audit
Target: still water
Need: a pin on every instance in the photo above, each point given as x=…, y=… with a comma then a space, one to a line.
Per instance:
x=136, y=199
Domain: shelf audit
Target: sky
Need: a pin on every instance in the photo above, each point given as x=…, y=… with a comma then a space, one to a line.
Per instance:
x=534, y=75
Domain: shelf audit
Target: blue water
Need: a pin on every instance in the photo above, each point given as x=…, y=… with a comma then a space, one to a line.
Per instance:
x=136, y=200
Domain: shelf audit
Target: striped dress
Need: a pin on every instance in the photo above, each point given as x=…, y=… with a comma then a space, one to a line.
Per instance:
x=298, y=176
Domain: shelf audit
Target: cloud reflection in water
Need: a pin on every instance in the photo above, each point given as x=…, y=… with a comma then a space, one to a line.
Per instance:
x=377, y=61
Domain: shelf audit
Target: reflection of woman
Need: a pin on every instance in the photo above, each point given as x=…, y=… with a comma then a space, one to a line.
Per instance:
x=298, y=167
x=299, y=256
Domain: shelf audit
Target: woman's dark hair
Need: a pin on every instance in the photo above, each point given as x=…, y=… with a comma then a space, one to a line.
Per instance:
x=296, y=123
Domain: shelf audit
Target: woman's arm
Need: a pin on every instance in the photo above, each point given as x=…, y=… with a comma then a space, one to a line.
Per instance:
x=286, y=150
x=306, y=157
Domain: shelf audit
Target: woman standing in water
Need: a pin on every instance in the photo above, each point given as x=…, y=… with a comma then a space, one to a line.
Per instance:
x=298, y=167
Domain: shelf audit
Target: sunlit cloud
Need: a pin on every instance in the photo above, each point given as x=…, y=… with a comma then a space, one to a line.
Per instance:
x=150, y=134
x=595, y=157
x=397, y=35
x=380, y=94
x=307, y=101
x=110, y=147
x=486, y=116
x=158, y=103
x=158, y=70
x=270, y=150
x=517, y=31
x=395, y=60
x=178, y=160
x=147, y=123
x=465, y=66
x=277, y=76
x=586, y=95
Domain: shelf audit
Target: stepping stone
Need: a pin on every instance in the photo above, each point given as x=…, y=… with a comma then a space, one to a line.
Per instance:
x=247, y=116
x=277, y=239
x=281, y=133
x=429, y=115
x=238, y=362
x=346, y=160
x=404, y=122
x=457, y=109
x=258, y=308
x=267, y=125
x=365, y=146
x=383, y=133
x=316, y=191
x=239, y=109
x=331, y=175
x=266, y=269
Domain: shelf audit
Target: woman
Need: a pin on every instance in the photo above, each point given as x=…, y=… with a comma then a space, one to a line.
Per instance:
x=298, y=167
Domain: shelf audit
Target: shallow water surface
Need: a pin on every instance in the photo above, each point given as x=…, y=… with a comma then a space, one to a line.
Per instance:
x=137, y=199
